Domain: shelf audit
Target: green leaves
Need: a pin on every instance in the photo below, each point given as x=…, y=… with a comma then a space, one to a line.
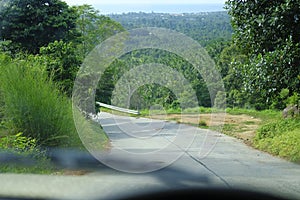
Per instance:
x=151, y=94
x=62, y=61
x=32, y=24
x=262, y=25
x=94, y=28
x=19, y=143
x=268, y=32
x=202, y=27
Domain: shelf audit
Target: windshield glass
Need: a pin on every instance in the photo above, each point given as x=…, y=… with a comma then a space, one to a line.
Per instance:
x=114, y=99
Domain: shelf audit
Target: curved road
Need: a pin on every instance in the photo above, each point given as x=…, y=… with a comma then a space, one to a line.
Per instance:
x=173, y=155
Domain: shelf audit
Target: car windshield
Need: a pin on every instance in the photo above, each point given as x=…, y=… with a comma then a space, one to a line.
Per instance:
x=120, y=99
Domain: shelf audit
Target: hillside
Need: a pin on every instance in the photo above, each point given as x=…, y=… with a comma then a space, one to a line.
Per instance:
x=203, y=27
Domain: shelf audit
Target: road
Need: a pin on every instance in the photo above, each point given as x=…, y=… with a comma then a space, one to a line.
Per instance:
x=164, y=155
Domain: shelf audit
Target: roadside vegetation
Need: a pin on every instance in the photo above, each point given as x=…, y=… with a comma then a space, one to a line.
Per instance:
x=39, y=59
x=280, y=138
x=44, y=43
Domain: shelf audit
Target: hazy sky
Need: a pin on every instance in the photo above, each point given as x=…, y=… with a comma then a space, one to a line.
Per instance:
x=99, y=2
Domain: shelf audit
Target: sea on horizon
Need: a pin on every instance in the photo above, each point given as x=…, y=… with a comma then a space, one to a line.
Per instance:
x=158, y=8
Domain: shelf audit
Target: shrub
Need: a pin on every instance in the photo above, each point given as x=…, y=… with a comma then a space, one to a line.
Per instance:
x=277, y=127
x=293, y=100
x=33, y=104
x=286, y=145
x=202, y=123
x=281, y=138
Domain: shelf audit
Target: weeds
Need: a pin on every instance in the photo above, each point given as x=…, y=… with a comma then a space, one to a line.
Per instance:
x=26, y=149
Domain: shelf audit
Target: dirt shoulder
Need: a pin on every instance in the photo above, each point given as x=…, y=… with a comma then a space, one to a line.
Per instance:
x=240, y=126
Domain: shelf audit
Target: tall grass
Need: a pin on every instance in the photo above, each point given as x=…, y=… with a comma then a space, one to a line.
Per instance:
x=33, y=104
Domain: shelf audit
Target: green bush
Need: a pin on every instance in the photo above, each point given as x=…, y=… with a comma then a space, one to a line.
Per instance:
x=202, y=123
x=286, y=145
x=281, y=138
x=293, y=100
x=60, y=59
x=276, y=128
x=33, y=103
x=174, y=110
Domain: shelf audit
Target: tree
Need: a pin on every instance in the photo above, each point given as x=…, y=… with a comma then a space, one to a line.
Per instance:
x=262, y=26
x=94, y=28
x=268, y=33
x=230, y=64
x=61, y=61
x=31, y=24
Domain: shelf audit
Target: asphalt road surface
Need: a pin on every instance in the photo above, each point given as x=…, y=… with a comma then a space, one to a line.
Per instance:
x=150, y=155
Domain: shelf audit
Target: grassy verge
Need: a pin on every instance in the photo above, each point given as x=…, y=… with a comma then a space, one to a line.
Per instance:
x=275, y=135
x=32, y=104
x=31, y=158
x=281, y=138
x=91, y=133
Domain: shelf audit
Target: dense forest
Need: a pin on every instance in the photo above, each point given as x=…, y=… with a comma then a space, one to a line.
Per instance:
x=272, y=43
x=203, y=27
x=254, y=45
x=210, y=29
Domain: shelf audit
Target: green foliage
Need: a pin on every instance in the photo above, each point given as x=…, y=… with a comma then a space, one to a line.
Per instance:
x=230, y=61
x=276, y=128
x=24, y=147
x=215, y=47
x=151, y=94
x=154, y=94
x=62, y=62
x=6, y=46
x=202, y=27
x=33, y=104
x=285, y=100
x=220, y=100
x=31, y=24
x=268, y=33
x=293, y=100
x=265, y=115
x=174, y=111
x=280, y=137
x=263, y=26
x=94, y=28
x=287, y=145
x=202, y=123
x=284, y=93
x=268, y=74
x=18, y=143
